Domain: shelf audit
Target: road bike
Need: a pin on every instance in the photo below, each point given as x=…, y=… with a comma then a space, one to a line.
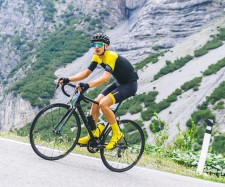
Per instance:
x=55, y=131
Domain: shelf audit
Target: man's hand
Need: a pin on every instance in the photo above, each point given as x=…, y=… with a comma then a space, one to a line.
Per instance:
x=82, y=86
x=63, y=80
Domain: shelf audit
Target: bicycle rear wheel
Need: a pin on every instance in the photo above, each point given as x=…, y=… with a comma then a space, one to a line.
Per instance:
x=52, y=136
x=128, y=151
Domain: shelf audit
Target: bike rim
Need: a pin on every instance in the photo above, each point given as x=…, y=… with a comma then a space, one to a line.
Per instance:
x=50, y=143
x=128, y=151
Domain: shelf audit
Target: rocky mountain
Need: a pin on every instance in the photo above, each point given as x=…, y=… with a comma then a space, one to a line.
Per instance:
x=136, y=28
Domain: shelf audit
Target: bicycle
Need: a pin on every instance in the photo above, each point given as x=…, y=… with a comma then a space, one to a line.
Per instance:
x=55, y=131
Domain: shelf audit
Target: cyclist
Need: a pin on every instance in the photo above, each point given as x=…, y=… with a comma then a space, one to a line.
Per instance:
x=124, y=87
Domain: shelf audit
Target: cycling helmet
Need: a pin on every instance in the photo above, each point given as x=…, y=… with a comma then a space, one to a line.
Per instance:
x=100, y=37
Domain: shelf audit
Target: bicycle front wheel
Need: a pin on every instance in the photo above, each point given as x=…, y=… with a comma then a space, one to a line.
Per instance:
x=128, y=151
x=53, y=132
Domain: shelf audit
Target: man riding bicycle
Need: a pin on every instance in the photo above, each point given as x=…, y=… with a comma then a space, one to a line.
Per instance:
x=124, y=87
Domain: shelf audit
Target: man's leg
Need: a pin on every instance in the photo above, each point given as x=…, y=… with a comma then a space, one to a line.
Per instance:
x=104, y=104
x=95, y=115
x=95, y=108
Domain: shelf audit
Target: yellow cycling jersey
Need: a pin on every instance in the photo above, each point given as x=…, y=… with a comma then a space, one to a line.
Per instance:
x=110, y=59
x=119, y=66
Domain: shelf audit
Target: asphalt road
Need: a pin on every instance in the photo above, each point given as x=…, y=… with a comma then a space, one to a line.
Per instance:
x=21, y=167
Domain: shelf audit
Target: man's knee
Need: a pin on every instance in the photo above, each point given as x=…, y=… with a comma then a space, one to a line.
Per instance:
x=103, y=105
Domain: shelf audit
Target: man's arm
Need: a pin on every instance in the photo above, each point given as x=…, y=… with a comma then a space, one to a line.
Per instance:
x=80, y=76
x=101, y=80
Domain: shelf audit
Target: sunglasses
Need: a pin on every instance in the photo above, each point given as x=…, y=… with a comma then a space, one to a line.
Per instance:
x=98, y=44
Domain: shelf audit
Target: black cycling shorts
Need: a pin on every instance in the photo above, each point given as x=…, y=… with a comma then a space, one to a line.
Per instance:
x=120, y=92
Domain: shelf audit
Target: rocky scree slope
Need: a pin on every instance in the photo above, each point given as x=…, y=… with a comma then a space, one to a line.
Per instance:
x=137, y=29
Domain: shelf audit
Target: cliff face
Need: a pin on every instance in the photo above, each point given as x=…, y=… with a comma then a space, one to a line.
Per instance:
x=23, y=24
x=136, y=28
x=15, y=111
x=163, y=23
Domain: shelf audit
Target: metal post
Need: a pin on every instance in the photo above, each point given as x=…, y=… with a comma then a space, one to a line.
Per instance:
x=205, y=147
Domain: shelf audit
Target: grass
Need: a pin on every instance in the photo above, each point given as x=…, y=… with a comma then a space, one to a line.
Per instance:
x=152, y=160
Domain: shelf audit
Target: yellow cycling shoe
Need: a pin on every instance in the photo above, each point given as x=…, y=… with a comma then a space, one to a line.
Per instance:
x=114, y=141
x=96, y=133
x=84, y=140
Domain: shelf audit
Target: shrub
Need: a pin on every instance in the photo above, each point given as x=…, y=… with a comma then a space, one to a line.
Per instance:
x=59, y=49
x=200, y=52
x=202, y=115
x=161, y=135
x=152, y=58
x=218, y=93
x=16, y=41
x=147, y=114
x=191, y=84
x=140, y=123
x=104, y=13
x=186, y=139
x=49, y=10
x=212, y=44
x=219, y=105
x=214, y=67
x=221, y=34
x=156, y=126
x=173, y=66
x=218, y=145
x=135, y=109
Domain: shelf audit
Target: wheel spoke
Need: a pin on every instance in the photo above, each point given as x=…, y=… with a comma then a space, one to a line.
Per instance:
x=128, y=151
x=49, y=144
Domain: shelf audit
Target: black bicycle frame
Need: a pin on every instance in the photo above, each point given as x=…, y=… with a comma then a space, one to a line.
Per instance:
x=76, y=105
x=81, y=112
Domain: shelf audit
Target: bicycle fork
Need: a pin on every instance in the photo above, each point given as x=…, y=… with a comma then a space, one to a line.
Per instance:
x=64, y=120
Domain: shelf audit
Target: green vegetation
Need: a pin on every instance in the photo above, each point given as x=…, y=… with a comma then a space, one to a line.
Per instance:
x=186, y=140
x=215, y=164
x=49, y=10
x=173, y=66
x=16, y=41
x=216, y=42
x=217, y=94
x=157, y=107
x=160, y=158
x=59, y=49
x=214, y=67
x=191, y=84
x=201, y=115
x=104, y=13
x=219, y=105
x=218, y=145
x=200, y=52
x=157, y=124
x=152, y=58
x=221, y=34
x=134, y=104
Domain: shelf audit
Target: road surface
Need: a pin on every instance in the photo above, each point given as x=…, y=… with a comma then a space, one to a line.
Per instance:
x=21, y=167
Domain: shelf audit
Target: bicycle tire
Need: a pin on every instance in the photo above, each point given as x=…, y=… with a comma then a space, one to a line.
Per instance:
x=128, y=151
x=46, y=142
